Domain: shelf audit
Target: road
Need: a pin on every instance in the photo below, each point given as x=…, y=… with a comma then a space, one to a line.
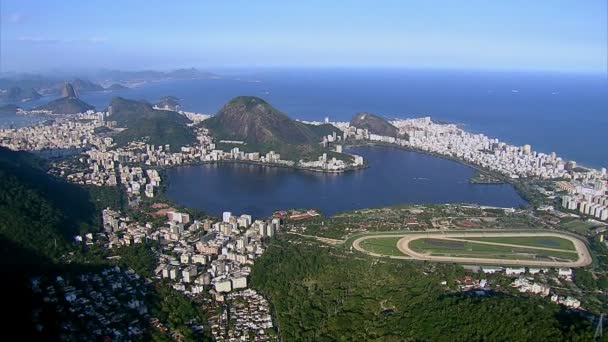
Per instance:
x=584, y=257
x=328, y=241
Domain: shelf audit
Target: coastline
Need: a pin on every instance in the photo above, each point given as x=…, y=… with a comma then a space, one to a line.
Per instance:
x=506, y=180
x=252, y=162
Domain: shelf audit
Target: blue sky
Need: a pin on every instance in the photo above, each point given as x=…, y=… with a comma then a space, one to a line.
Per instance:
x=563, y=35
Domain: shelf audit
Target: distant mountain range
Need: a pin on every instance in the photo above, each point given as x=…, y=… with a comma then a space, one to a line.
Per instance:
x=85, y=86
x=18, y=94
x=151, y=75
x=26, y=87
x=116, y=86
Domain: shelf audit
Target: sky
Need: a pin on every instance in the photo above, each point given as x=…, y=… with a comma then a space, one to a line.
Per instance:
x=558, y=35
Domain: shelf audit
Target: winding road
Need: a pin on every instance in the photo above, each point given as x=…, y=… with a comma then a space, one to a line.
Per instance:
x=584, y=257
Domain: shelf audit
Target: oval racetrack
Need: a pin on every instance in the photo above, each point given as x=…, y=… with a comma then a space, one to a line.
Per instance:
x=584, y=257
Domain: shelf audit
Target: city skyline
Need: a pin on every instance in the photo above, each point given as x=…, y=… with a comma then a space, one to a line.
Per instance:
x=565, y=36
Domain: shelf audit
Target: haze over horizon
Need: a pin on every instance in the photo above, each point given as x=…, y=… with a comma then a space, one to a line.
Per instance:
x=563, y=36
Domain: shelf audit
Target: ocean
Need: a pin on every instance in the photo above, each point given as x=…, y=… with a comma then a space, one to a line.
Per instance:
x=562, y=113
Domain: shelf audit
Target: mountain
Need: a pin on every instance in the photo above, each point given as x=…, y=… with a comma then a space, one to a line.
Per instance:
x=9, y=108
x=68, y=104
x=143, y=122
x=265, y=128
x=85, y=86
x=374, y=124
x=190, y=73
x=41, y=84
x=32, y=85
x=68, y=91
x=116, y=86
x=168, y=102
x=18, y=94
x=255, y=121
x=39, y=217
x=34, y=212
x=151, y=75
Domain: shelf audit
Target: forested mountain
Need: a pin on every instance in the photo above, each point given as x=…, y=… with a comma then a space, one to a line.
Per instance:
x=168, y=102
x=39, y=212
x=143, y=122
x=254, y=120
x=374, y=124
x=264, y=128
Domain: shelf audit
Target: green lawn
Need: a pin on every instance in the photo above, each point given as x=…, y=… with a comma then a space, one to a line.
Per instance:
x=386, y=246
x=578, y=226
x=531, y=241
x=472, y=249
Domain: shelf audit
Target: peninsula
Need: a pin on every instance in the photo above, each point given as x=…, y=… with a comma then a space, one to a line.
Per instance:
x=68, y=103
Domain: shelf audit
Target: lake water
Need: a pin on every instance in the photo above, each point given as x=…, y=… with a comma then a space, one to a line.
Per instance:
x=563, y=113
x=394, y=177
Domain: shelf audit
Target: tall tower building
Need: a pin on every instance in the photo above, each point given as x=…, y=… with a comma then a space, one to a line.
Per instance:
x=226, y=216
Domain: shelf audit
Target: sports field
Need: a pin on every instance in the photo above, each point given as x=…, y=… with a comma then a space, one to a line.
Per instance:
x=510, y=248
x=532, y=241
x=478, y=248
x=382, y=245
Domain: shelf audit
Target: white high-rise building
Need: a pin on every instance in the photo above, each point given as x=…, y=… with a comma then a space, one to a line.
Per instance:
x=247, y=219
x=226, y=216
x=270, y=230
x=261, y=228
x=276, y=223
x=565, y=200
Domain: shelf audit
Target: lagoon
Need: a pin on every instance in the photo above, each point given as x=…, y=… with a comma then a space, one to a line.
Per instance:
x=394, y=177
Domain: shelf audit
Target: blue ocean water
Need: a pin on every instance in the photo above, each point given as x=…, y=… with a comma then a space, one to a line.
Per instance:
x=563, y=113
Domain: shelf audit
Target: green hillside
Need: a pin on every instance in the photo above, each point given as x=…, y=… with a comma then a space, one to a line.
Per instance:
x=34, y=213
x=143, y=122
x=66, y=105
x=322, y=293
x=374, y=124
x=265, y=128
